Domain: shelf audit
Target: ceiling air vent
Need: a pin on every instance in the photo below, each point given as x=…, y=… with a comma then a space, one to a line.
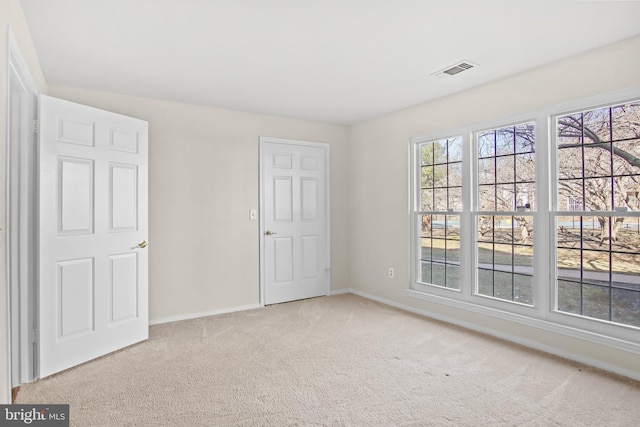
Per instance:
x=455, y=69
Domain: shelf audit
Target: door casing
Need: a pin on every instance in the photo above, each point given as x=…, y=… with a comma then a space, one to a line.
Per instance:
x=263, y=140
x=21, y=218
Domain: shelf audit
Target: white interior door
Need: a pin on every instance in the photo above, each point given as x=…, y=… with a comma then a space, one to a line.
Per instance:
x=295, y=232
x=93, y=214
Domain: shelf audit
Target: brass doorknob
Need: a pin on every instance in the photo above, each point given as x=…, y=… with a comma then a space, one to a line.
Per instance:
x=143, y=244
x=269, y=233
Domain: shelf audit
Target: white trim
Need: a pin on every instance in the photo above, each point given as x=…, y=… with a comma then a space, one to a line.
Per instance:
x=615, y=344
x=180, y=317
x=340, y=292
x=263, y=140
x=20, y=321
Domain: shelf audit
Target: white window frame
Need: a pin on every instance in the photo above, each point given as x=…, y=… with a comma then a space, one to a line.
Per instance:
x=542, y=313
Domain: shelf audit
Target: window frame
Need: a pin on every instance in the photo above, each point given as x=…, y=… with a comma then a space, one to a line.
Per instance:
x=604, y=327
x=542, y=313
x=435, y=212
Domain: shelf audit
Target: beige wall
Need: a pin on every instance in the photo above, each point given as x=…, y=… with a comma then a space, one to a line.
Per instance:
x=378, y=153
x=10, y=15
x=203, y=180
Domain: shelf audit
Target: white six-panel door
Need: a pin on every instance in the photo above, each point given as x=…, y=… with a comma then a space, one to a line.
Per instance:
x=294, y=220
x=92, y=217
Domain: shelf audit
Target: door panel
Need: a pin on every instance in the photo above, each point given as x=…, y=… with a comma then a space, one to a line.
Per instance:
x=295, y=221
x=75, y=297
x=93, y=212
x=123, y=192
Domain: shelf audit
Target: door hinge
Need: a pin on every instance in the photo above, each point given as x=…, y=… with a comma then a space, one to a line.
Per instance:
x=36, y=126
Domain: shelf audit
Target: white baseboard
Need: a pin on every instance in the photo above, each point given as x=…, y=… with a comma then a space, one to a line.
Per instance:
x=202, y=314
x=508, y=337
x=341, y=292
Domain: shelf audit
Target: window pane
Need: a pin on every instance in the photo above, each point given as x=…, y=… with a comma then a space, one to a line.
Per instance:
x=597, y=160
x=570, y=162
x=596, y=125
x=503, y=257
x=570, y=194
x=505, y=197
x=505, y=247
x=486, y=144
x=523, y=289
x=595, y=267
x=486, y=171
x=487, y=198
x=440, y=176
x=455, y=199
x=426, y=200
x=426, y=153
x=454, y=149
x=425, y=252
x=504, y=141
x=438, y=274
x=425, y=225
x=626, y=157
x=485, y=228
x=425, y=272
x=440, y=200
x=598, y=267
x=440, y=151
x=441, y=191
x=505, y=171
x=568, y=231
x=525, y=196
x=626, y=196
x=568, y=264
x=455, y=174
x=525, y=138
x=569, y=297
x=624, y=306
x=453, y=227
x=453, y=276
x=503, y=285
x=485, y=255
x=525, y=168
x=503, y=229
x=626, y=121
x=598, y=192
x=595, y=301
x=523, y=260
x=569, y=129
x=426, y=177
x=485, y=282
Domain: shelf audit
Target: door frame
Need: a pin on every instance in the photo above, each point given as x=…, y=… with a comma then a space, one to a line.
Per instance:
x=264, y=140
x=20, y=226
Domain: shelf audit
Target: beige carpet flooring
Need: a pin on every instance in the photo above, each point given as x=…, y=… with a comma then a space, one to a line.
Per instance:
x=334, y=361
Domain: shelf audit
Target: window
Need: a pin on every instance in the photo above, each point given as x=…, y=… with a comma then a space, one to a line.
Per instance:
x=598, y=242
x=506, y=196
x=440, y=200
x=539, y=218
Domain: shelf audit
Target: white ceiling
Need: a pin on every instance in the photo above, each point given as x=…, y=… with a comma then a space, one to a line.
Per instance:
x=338, y=61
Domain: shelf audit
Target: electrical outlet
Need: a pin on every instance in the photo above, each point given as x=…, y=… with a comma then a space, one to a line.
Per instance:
x=391, y=273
